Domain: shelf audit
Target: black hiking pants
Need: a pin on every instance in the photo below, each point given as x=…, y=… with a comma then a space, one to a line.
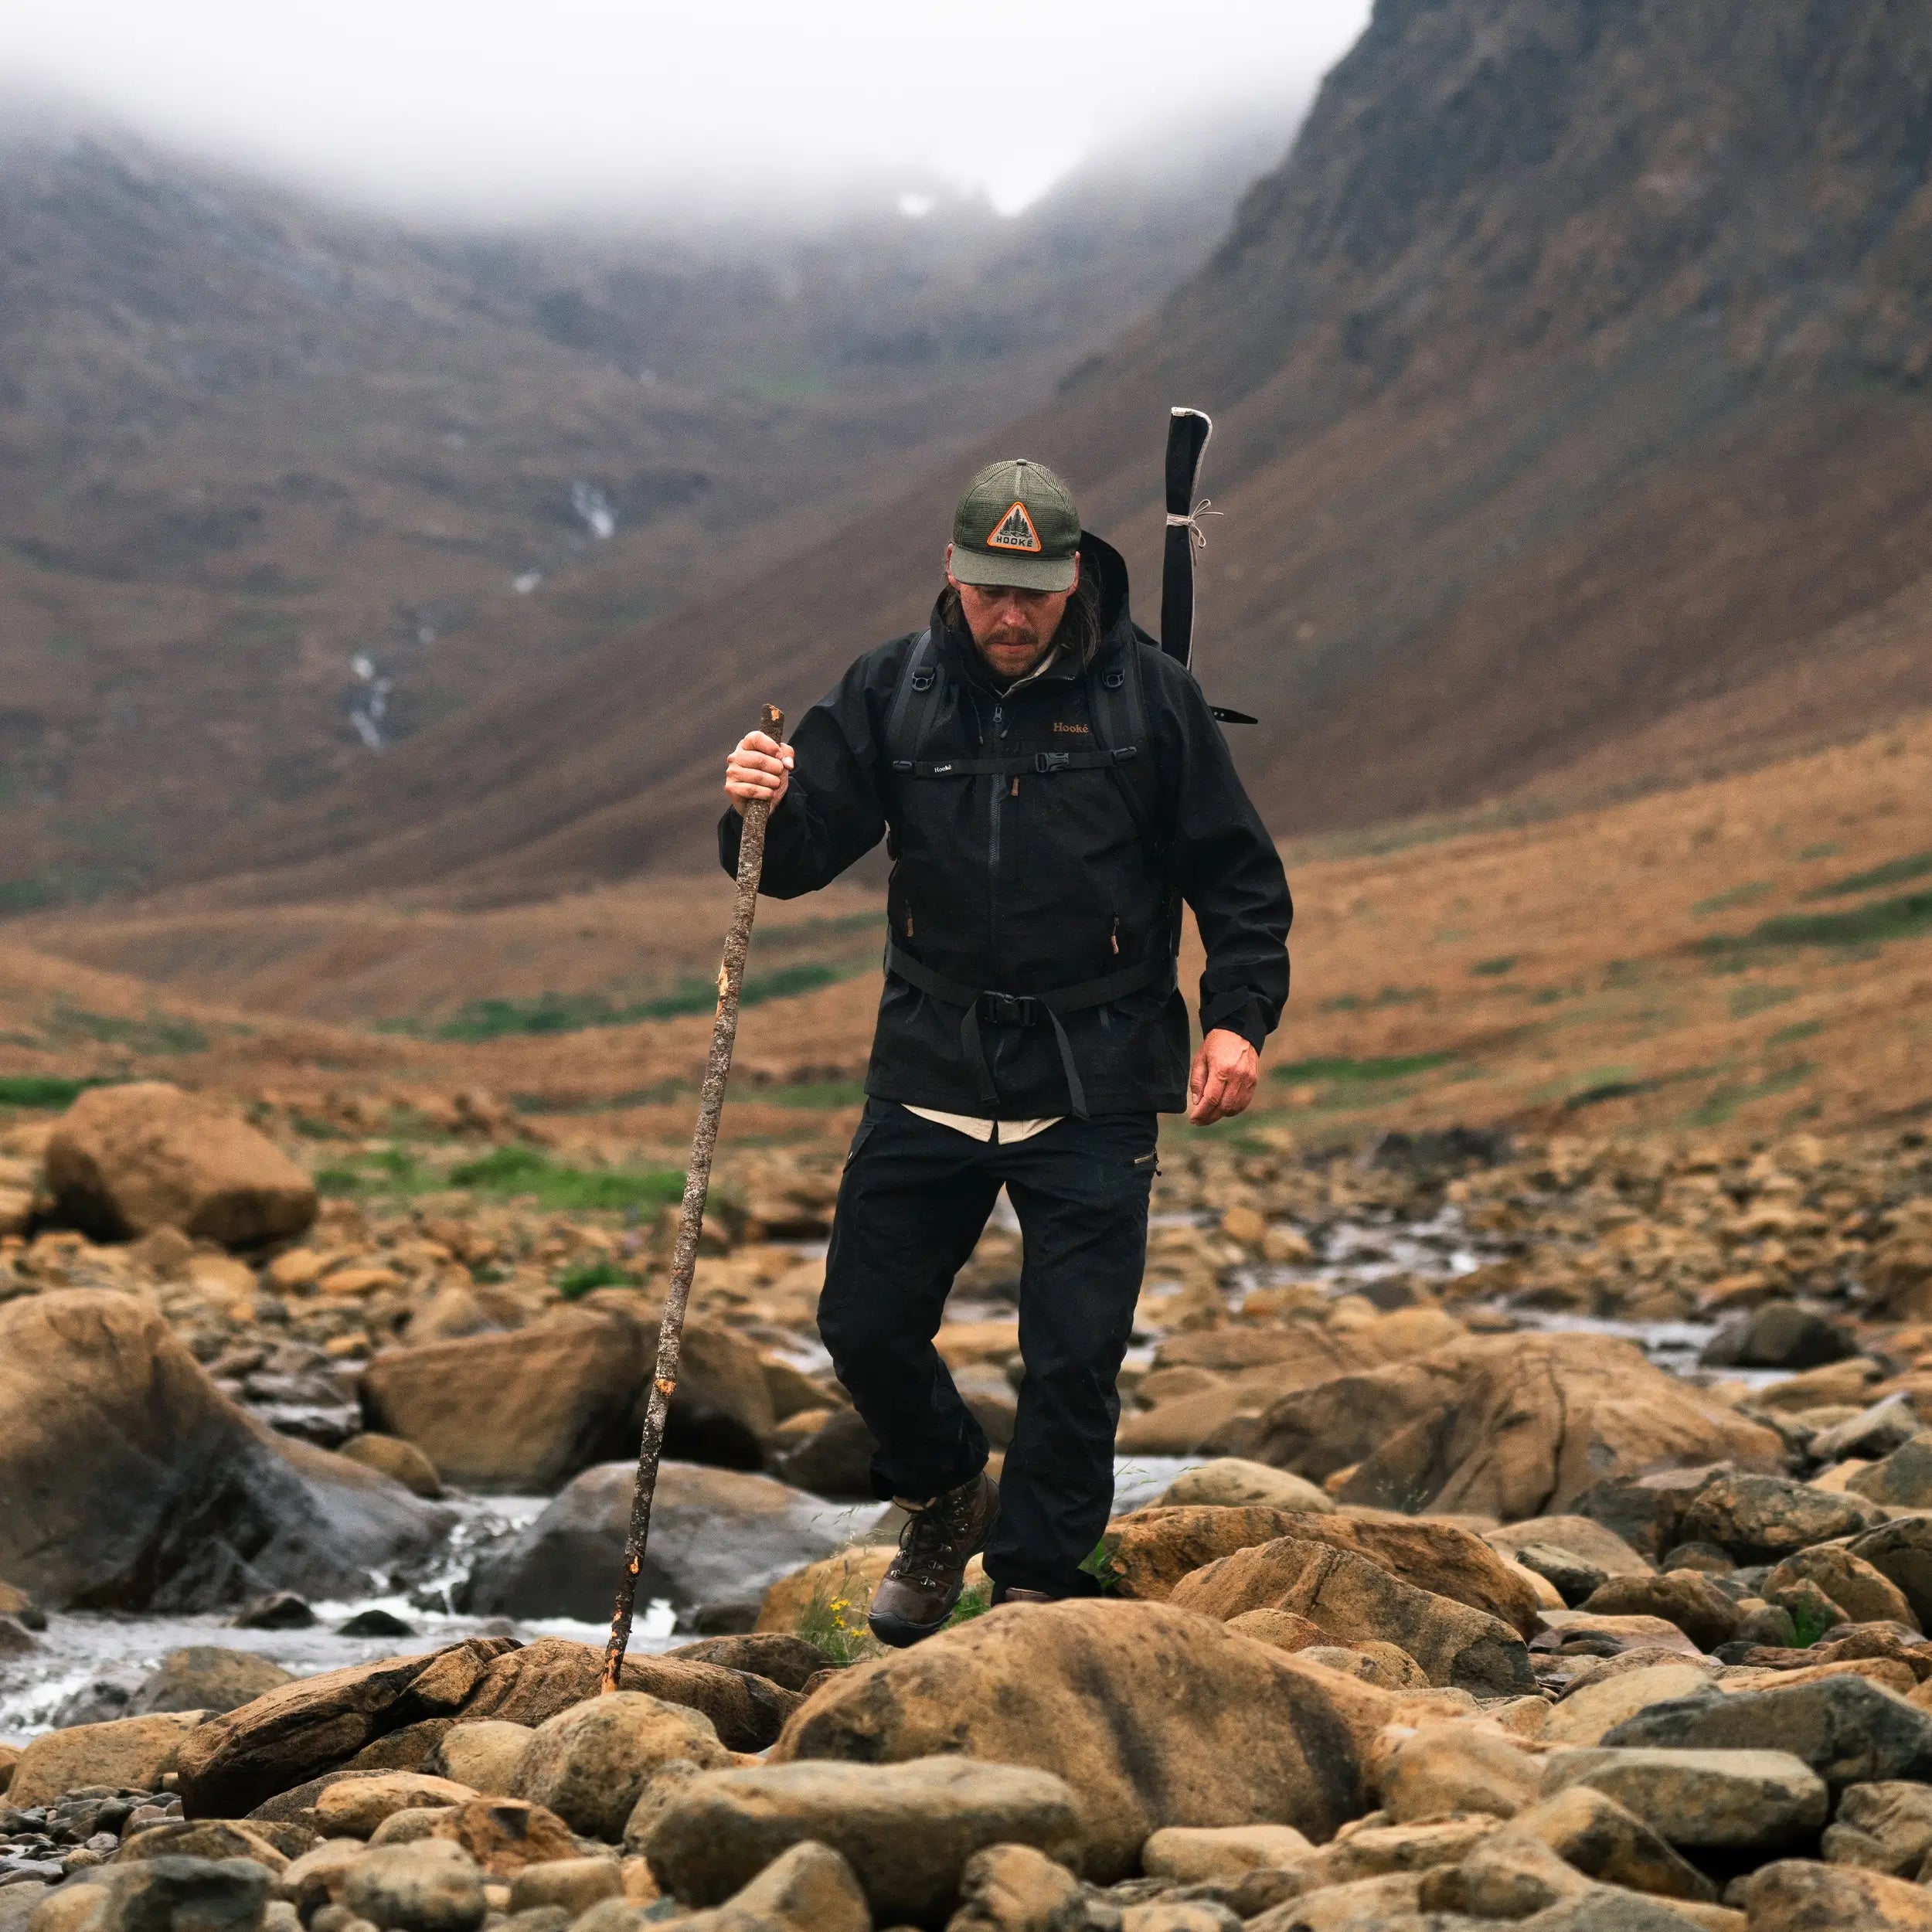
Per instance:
x=913, y=1201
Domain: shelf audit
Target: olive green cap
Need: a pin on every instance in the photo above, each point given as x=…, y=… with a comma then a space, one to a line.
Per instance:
x=1016, y=524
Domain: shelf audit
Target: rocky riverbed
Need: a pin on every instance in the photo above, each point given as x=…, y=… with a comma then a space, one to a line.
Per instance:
x=1538, y=1533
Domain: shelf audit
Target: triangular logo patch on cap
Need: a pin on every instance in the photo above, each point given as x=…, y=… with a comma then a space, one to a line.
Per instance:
x=1015, y=531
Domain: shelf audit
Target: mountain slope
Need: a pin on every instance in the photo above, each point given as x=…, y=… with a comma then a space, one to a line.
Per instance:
x=1567, y=378
x=281, y=486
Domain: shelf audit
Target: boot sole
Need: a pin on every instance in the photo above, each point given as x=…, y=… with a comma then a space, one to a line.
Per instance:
x=902, y=1634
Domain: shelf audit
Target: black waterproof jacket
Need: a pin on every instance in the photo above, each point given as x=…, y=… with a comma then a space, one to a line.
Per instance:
x=1026, y=884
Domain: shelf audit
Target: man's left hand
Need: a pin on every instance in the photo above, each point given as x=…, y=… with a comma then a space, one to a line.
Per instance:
x=1223, y=1080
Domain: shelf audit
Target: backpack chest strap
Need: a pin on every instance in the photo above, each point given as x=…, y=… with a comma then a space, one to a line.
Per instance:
x=1013, y=764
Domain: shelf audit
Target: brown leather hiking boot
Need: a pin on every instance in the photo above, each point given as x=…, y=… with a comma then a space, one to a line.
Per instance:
x=919, y=1592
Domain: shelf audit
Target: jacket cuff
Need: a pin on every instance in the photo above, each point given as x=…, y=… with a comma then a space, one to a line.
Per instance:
x=1245, y=1019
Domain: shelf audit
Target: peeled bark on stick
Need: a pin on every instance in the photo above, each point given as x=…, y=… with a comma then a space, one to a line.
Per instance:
x=697, y=1185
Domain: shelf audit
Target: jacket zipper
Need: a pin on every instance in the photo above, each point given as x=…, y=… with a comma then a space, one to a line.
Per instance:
x=992, y=835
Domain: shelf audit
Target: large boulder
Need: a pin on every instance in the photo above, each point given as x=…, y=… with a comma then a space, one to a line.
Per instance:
x=1506, y=1427
x=1723, y=1800
x=520, y=1412
x=1901, y=1552
x=717, y=1536
x=205, y=1677
x=906, y=1830
x=1154, y=1715
x=132, y=1483
x=1356, y=1602
x=1152, y=1549
x=1763, y=1519
x=132, y=1752
x=309, y=1728
x=590, y=1764
x=125, y=1160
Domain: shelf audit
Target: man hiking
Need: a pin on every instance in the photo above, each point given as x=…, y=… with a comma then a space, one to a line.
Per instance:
x=1049, y=787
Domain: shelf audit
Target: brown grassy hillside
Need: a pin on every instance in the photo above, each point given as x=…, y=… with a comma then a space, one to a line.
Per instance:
x=1568, y=379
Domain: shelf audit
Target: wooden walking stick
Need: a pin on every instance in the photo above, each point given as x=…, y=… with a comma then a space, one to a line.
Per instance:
x=697, y=1185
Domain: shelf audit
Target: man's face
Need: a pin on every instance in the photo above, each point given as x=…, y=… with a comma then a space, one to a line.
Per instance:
x=1011, y=627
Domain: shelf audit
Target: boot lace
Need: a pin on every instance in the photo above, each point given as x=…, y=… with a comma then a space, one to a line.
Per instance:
x=930, y=1544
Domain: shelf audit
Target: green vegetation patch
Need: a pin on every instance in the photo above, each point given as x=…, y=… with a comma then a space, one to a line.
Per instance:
x=1737, y=895
x=1396, y=1067
x=1748, y=1000
x=1495, y=968
x=527, y=1170
x=1388, y=996
x=1896, y=871
x=1908, y=916
x=157, y=1032
x=487, y=1019
x=815, y=1093
x=392, y=1170
x=580, y=1278
x=43, y=1090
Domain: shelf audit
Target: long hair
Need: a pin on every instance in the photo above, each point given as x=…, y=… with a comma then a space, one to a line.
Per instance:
x=1080, y=629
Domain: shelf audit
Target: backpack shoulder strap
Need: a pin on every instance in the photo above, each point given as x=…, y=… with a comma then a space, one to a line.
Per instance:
x=1117, y=704
x=915, y=699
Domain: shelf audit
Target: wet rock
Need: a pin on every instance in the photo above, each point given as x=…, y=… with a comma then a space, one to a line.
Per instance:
x=144, y=1488
x=279, y=1609
x=1795, y=1895
x=834, y=1460
x=1155, y=1717
x=505, y=1834
x=356, y=1807
x=1885, y=1826
x=1592, y=1709
x=1509, y=1426
x=588, y=1764
x=1763, y=1519
x=1231, y=1482
x=1015, y=1887
x=518, y=1411
x=401, y=1461
x=1903, y=1479
x=1862, y=1592
x=531, y=1684
x=906, y=1830
x=375, y=1623
x=186, y=1895
x=1355, y=1599
x=575, y=1884
x=1746, y=1801
x=482, y=1755
x=808, y=1888
x=1780, y=1335
x=205, y=1677
x=715, y=1534
x=1692, y=1602
x=429, y=1886
x=132, y=1753
x=126, y=1160
x=1592, y=1832
x=1847, y=1729
x=233, y=1763
x=1446, y=1769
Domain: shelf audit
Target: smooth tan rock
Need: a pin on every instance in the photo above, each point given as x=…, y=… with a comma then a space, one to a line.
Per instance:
x=1885, y=1826
x=1741, y=1801
x=432, y=1886
x=1581, y=1536
x=354, y=1809
x=849, y=1577
x=124, y=1161
x=808, y=1888
x=317, y=1878
x=1192, y=1853
x=134, y=1752
x=1390, y=1903
x=1632, y=1634
x=1355, y=1599
x=1862, y=1594
x=1507, y=1427
x=405, y=1827
x=1154, y=1716
x=1386, y=1664
x=1504, y=1877
x=1015, y=1887
x=906, y=1830
x=1285, y=1629
x=1232, y=1482
x=401, y=1461
x=1590, y=1830
x=482, y=1755
x=203, y=1839
x=206, y=1677
x=1795, y=1895
x=1583, y=1716
x=589, y=1764
x=575, y=1884
x=504, y=1834
x=1375, y=1851
x=1450, y=1768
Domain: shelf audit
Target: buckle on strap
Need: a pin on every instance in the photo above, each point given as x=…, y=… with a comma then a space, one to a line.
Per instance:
x=1009, y=1009
x=1045, y=761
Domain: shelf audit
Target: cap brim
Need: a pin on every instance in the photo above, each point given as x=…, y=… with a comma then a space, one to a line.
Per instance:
x=984, y=568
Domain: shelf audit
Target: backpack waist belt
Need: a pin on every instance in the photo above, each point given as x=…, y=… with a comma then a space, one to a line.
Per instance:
x=1026, y=1009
